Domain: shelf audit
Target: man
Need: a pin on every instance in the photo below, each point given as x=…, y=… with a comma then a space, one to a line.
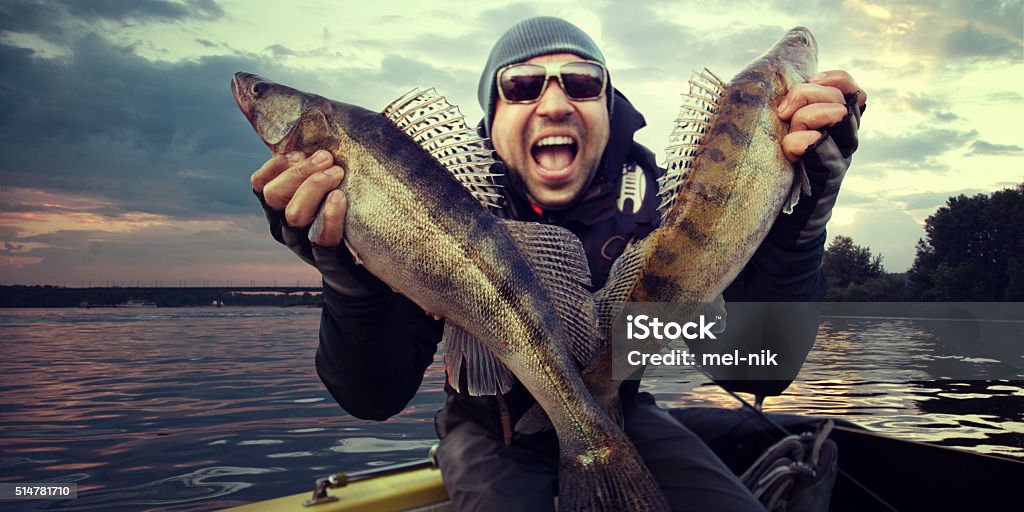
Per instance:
x=571, y=160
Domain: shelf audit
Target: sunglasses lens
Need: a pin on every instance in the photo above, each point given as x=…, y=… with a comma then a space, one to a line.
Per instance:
x=522, y=83
x=583, y=80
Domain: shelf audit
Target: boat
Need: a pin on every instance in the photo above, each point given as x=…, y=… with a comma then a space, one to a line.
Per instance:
x=875, y=471
x=132, y=303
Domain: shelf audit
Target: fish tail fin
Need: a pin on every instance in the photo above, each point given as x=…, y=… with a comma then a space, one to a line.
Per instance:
x=615, y=480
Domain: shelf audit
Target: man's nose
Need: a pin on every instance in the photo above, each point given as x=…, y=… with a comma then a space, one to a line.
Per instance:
x=554, y=103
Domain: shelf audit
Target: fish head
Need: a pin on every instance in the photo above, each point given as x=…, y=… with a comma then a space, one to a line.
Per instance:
x=797, y=53
x=286, y=119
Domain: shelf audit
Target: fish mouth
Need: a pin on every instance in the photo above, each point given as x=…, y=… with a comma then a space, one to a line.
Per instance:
x=277, y=131
x=242, y=86
x=807, y=38
x=554, y=156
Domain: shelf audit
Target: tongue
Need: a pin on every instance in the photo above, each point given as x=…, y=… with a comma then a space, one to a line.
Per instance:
x=554, y=158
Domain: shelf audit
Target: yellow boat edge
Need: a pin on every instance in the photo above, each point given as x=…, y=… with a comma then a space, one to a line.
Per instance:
x=419, y=490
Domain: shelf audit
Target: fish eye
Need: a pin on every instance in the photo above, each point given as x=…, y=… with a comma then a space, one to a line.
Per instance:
x=259, y=88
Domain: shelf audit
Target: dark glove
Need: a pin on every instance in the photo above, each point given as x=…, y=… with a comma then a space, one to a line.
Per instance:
x=335, y=264
x=825, y=163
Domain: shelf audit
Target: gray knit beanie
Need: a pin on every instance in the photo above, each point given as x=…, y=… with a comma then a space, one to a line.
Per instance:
x=526, y=40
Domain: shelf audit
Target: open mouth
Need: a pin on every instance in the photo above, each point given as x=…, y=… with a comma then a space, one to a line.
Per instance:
x=555, y=156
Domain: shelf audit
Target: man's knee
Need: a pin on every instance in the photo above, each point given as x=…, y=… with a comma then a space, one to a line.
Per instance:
x=481, y=473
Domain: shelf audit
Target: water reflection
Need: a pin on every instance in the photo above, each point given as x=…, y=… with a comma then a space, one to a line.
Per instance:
x=201, y=409
x=888, y=374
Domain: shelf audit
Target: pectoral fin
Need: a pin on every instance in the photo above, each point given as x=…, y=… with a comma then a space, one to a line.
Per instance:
x=485, y=374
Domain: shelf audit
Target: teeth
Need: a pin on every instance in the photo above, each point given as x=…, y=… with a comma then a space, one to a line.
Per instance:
x=555, y=141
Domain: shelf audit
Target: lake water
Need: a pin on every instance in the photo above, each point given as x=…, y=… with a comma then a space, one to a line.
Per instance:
x=206, y=408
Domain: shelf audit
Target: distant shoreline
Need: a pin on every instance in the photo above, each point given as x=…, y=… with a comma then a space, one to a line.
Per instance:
x=45, y=296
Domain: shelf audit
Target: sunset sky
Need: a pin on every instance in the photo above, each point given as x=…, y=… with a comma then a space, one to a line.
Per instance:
x=125, y=158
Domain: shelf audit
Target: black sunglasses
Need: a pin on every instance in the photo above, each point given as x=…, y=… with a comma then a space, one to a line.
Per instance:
x=526, y=82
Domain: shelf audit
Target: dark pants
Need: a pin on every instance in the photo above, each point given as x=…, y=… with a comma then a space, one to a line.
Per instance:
x=481, y=473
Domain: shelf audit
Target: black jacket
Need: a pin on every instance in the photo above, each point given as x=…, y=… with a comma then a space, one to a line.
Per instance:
x=374, y=351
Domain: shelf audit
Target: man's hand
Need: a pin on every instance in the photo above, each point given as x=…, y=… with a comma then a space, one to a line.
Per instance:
x=291, y=189
x=298, y=186
x=814, y=105
x=824, y=117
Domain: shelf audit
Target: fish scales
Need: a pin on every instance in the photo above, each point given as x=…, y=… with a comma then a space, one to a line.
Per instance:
x=417, y=228
x=737, y=183
x=728, y=181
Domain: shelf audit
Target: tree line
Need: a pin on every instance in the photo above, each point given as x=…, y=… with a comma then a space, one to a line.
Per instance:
x=973, y=251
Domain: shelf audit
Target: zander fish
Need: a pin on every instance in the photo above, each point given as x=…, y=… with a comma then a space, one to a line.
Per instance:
x=726, y=182
x=417, y=181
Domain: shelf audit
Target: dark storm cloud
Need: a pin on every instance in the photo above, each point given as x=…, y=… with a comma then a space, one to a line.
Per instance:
x=29, y=16
x=109, y=123
x=61, y=20
x=142, y=10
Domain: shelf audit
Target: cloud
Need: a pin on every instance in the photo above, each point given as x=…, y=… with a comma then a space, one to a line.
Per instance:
x=142, y=10
x=850, y=198
x=126, y=127
x=63, y=21
x=214, y=251
x=399, y=70
x=889, y=232
x=916, y=148
x=902, y=70
x=980, y=147
x=929, y=200
x=930, y=105
x=649, y=40
x=972, y=42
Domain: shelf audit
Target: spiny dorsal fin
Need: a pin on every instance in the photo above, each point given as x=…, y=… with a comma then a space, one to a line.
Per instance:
x=558, y=259
x=441, y=129
x=699, y=106
x=622, y=279
x=485, y=374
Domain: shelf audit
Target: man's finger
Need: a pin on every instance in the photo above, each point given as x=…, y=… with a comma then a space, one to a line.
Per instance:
x=304, y=204
x=273, y=168
x=843, y=81
x=806, y=94
x=335, y=209
x=278, y=192
x=795, y=144
x=816, y=116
